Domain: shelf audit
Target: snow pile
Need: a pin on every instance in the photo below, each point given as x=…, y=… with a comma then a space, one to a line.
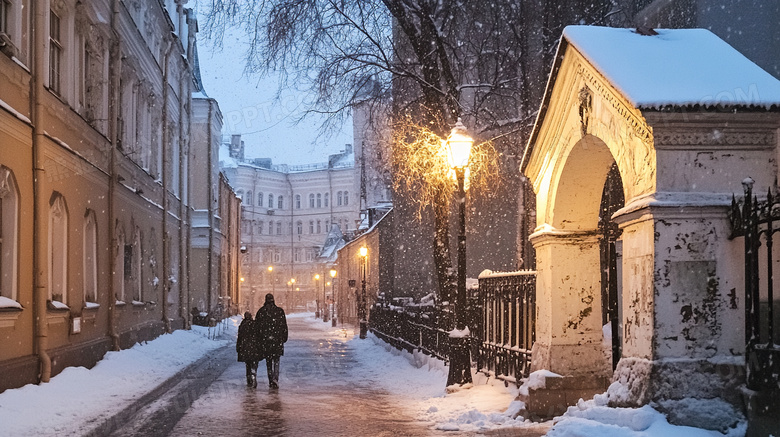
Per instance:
x=678, y=67
x=595, y=418
x=78, y=397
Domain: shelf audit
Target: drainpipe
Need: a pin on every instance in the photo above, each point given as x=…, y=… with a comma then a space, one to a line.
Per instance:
x=40, y=189
x=210, y=197
x=184, y=204
x=113, y=109
x=166, y=146
x=191, y=26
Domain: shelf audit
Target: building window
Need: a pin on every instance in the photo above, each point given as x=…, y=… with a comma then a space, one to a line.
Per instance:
x=249, y=198
x=277, y=256
x=346, y=198
x=260, y=199
x=327, y=226
x=326, y=200
x=9, y=233
x=319, y=200
x=5, y=9
x=260, y=228
x=135, y=265
x=339, y=198
x=299, y=227
x=278, y=228
x=270, y=200
x=90, y=257
x=310, y=255
x=311, y=226
x=319, y=227
x=297, y=255
x=311, y=200
x=55, y=53
x=119, y=266
x=58, y=249
x=297, y=201
x=280, y=202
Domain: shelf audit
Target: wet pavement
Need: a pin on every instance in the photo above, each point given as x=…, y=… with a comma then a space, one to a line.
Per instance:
x=319, y=394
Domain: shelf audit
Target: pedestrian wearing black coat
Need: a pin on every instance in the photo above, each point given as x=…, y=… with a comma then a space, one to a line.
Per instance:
x=271, y=331
x=248, y=348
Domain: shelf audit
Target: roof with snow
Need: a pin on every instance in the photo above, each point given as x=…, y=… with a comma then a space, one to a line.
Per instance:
x=677, y=67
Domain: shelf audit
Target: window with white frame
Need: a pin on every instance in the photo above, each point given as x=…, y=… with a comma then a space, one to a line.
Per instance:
x=311, y=226
x=311, y=200
x=319, y=226
x=339, y=198
x=270, y=200
x=9, y=233
x=280, y=202
x=326, y=200
x=346, y=198
x=135, y=275
x=278, y=228
x=297, y=255
x=299, y=227
x=319, y=200
x=260, y=227
x=55, y=53
x=119, y=265
x=277, y=256
x=260, y=199
x=58, y=249
x=297, y=201
x=90, y=257
x=249, y=198
x=310, y=255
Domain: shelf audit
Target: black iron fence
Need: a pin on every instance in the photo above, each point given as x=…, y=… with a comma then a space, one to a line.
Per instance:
x=508, y=313
x=501, y=318
x=756, y=222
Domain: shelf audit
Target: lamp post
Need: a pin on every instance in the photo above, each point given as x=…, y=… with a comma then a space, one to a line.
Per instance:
x=316, y=293
x=271, y=274
x=459, y=148
x=333, y=296
x=292, y=296
x=362, y=310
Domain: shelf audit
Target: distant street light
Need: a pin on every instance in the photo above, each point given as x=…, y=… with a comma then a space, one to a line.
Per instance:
x=362, y=310
x=333, y=296
x=316, y=292
x=271, y=274
x=459, y=149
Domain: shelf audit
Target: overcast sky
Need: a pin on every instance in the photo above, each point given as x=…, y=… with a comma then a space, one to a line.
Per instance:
x=248, y=108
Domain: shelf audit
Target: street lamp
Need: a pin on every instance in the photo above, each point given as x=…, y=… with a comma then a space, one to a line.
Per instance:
x=458, y=150
x=333, y=296
x=292, y=296
x=362, y=310
x=316, y=292
x=271, y=274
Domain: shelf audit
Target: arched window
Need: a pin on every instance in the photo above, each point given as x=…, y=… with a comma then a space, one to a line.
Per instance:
x=327, y=226
x=326, y=200
x=339, y=198
x=346, y=198
x=90, y=257
x=311, y=200
x=319, y=226
x=319, y=200
x=119, y=267
x=297, y=201
x=278, y=228
x=9, y=233
x=260, y=227
x=260, y=199
x=135, y=266
x=311, y=226
x=249, y=198
x=299, y=227
x=280, y=202
x=270, y=200
x=58, y=249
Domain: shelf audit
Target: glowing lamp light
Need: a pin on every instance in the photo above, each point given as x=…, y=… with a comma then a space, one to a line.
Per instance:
x=332, y=273
x=363, y=252
x=241, y=279
x=459, y=146
x=292, y=281
x=317, y=276
x=270, y=268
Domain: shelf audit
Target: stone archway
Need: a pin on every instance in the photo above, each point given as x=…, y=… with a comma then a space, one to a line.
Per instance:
x=568, y=255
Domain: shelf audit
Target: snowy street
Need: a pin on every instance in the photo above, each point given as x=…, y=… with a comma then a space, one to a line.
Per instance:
x=331, y=383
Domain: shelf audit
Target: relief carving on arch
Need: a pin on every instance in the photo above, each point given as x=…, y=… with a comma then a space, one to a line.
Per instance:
x=5, y=182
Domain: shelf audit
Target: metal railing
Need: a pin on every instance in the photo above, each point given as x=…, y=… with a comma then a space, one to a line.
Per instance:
x=508, y=313
x=756, y=222
x=412, y=328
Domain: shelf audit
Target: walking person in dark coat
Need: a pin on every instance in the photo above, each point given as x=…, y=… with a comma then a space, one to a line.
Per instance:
x=248, y=348
x=271, y=329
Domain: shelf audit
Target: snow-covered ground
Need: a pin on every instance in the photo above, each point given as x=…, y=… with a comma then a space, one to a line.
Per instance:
x=75, y=400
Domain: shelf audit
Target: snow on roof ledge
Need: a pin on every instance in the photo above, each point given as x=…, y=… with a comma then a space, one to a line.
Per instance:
x=677, y=67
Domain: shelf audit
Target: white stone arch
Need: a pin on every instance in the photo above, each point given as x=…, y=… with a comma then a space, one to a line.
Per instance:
x=90, y=254
x=58, y=249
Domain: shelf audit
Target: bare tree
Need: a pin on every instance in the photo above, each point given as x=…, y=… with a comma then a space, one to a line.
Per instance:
x=428, y=62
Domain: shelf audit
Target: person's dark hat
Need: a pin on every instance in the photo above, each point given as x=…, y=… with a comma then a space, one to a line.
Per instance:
x=248, y=315
x=269, y=298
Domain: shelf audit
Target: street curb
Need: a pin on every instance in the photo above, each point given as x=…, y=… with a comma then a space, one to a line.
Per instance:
x=120, y=419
